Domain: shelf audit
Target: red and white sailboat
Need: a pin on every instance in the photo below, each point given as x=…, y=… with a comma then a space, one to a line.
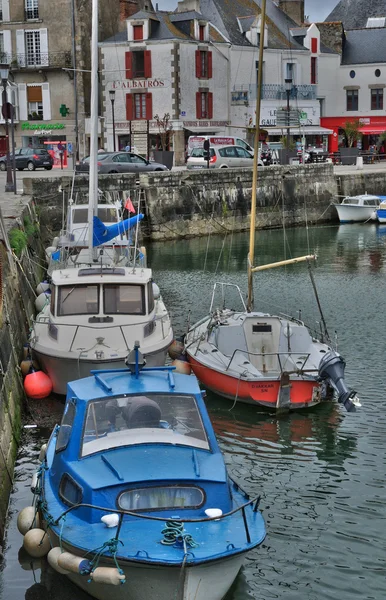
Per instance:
x=259, y=358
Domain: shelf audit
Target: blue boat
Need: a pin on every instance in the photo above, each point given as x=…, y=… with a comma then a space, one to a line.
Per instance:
x=133, y=497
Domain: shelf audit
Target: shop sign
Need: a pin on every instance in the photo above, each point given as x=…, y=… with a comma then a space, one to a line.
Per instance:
x=43, y=132
x=42, y=126
x=239, y=97
x=205, y=123
x=131, y=84
x=306, y=115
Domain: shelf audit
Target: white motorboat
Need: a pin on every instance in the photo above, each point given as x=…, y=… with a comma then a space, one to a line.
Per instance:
x=358, y=209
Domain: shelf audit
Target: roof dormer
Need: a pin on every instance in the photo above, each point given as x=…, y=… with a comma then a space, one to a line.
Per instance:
x=253, y=32
x=139, y=27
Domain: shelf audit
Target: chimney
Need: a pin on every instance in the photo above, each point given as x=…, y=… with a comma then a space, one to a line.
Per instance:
x=294, y=9
x=187, y=5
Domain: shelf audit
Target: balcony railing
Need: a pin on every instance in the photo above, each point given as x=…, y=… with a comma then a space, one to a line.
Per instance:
x=37, y=60
x=273, y=91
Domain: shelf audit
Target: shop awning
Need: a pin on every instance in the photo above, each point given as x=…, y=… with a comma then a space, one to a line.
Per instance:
x=372, y=129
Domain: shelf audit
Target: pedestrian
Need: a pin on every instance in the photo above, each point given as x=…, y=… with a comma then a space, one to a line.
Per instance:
x=61, y=153
x=127, y=147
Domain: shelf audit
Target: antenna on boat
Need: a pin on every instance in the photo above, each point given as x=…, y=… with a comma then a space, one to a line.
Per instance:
x=251, y=255
x=93, y=179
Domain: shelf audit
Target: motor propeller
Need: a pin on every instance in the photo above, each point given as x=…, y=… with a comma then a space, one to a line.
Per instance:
x=331, y=369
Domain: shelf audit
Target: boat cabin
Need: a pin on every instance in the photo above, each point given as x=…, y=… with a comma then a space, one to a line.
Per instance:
x=77, y=221
x=143, y=444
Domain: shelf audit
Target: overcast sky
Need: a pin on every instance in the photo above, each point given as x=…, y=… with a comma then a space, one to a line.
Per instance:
x=317, y=10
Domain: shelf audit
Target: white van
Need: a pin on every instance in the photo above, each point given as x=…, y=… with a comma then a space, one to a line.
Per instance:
x=197, y=141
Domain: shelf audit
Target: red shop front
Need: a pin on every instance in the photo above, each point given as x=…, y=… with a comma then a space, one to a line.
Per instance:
x=371, y=128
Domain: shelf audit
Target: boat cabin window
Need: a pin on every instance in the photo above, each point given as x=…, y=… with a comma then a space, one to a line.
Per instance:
x=160, y=498
x=65, y=427
x=150, y=419
x=78, y=300
x=106, y=214
x=350, y=201
x=124, y=299
x=70, y=492
x=371, y=202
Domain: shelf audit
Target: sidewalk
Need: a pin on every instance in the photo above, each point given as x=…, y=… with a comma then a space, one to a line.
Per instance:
x=378, y=167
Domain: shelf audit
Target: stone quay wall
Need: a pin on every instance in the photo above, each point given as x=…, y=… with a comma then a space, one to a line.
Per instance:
x=18, y=278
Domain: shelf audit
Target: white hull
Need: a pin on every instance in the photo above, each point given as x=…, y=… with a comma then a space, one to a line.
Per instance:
x=61, y=370
x=351, y=213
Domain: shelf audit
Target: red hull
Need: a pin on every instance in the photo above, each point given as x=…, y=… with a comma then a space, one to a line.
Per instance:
x=264, y=393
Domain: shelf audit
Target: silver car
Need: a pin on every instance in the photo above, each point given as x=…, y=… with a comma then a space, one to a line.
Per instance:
x=221, y=157
x=120, y=162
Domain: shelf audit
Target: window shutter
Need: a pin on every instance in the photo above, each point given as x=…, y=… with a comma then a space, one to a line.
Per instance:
x=149, y=106
x=198, y=105
x=314, y=45
x=129, y=66
x=129, y=107
x=210, y=70
x=210, y=105
x=138, y=32
x=34, y=93
x=147, y=57
x=44, y=47
x=23, y=112
x=46, y=101
x=198, y=64
x=20, y=47
x=7, y=45
x=5, y=7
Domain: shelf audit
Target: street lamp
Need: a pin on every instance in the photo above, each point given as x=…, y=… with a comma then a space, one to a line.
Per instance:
x=112, y=100
x=288, y=88
x=6, y=108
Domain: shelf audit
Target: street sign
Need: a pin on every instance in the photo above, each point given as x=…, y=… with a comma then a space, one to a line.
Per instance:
x=7, y=110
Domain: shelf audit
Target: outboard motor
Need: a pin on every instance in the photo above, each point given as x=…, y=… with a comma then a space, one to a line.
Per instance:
x=331, y=368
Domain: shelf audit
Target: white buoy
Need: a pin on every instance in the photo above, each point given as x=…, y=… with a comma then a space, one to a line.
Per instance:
x=107, y=575
x=53, y=558
x=26, y=519
x=182, y=366
x=70, y=562
x=110, y=520
x=49, y=250
x=156, y=291
x=36, y=543
x=42, y=287
x=43, y=452
x=55, y=241
x=175, y=349
x=34, y=482
x=42, y=300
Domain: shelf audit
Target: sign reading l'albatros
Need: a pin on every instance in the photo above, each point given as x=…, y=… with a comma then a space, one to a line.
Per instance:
x=130, y=84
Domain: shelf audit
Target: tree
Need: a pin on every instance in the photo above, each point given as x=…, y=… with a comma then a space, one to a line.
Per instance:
x=165, y=128
x=351, y=131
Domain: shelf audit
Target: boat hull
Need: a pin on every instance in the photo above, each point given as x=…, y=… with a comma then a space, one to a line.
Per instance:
x=352, y=213
x=304, y=393
x=381, y=214
x=61, y=370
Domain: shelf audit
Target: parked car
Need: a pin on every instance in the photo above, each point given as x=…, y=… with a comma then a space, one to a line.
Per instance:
x=221, y=157
x=120, y=162
x=29, y=158
x=197, y=141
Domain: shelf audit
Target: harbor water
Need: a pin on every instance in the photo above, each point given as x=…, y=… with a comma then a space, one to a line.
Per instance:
x=321, y=474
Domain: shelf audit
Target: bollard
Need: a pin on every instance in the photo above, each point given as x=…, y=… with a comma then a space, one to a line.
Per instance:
x=359, y=163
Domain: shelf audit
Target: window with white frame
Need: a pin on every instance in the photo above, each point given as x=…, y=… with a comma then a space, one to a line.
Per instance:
x=140, y=106
x=32, y=43
x=31, y=9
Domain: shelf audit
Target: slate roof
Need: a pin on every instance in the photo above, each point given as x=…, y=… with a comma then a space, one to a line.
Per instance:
x=364, y=46
x=354, y=13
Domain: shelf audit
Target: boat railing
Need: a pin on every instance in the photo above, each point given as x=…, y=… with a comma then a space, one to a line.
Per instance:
x=279, y=356
x=223, y=285
x=122, y=513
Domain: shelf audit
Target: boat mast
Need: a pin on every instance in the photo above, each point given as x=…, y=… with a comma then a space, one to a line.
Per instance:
x=251, y=255
x=93, y=179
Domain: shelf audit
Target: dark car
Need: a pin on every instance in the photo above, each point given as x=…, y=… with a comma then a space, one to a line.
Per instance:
x=120, y=162
x=29, y=158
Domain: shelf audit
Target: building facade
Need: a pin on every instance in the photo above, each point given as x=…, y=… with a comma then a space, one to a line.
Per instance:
x=201, y=68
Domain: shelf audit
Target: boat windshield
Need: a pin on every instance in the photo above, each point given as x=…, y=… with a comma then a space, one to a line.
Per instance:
x=78, y=300
x=350, y=201
x=151, y=419
x=107, y=214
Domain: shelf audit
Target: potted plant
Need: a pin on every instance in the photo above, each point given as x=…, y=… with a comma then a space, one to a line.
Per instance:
x=166, y=132
x=352, y=134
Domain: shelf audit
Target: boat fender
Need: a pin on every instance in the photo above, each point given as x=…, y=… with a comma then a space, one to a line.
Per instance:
x=49, y=250
x=156, y=291
x=110, y=520
x=42, y=300
x=43, y=452
x=37, y=385
x=37, y=543
x=26, y=364
x=181, y=366
x=55, y=241
x=34, y=482
x=42, y=287
x=108, y=575
x=175, y=349
x=26, y=350
x=74, y=564
x=26, y=518
x=53, y=557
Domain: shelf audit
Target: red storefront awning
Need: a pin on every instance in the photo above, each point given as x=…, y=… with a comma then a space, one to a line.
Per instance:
x=372, y=129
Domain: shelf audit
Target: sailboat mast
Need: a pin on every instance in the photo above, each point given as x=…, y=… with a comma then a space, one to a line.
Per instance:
x=251, y=255
x=93, y=180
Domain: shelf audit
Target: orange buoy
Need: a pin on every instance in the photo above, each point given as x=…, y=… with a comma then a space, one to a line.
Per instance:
x=37, y=384
x=182, y=366
x=175, y=349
